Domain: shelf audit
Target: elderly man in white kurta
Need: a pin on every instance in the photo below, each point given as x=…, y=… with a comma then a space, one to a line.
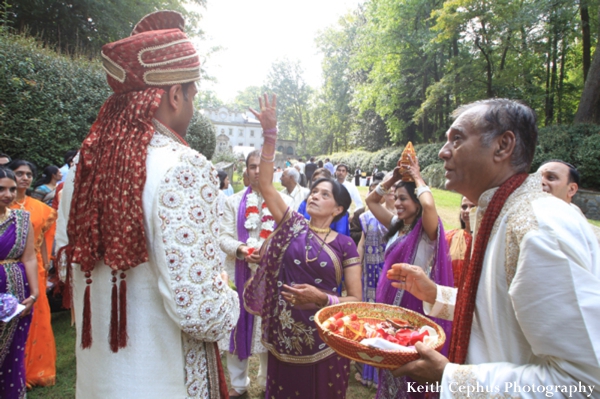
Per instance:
x=535, y=329
x=154, y=334
x=246, y=224
x=290, y=180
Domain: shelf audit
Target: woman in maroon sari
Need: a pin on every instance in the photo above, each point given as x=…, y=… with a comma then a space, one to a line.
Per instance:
x=301, y=268
x=18, y=278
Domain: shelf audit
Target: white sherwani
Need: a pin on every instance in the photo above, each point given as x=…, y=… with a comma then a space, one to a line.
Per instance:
x=298, y=195
x=537, y=312
x=228, y=239
x=177, y=303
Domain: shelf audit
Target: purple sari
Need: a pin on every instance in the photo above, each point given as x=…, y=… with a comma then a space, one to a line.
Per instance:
x=404, y=250
x=13, y=280
x=300, y=363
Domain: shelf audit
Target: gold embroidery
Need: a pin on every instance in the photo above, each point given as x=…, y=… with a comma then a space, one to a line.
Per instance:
x=113, y=69
x=163, y=46
x=446, y=311
x=351, y=262
x=162, y=77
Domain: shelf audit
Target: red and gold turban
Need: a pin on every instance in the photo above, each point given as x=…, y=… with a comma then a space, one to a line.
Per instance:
x=106, y=217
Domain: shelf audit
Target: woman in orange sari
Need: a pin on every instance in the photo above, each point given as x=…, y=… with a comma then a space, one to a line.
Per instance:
x=460, y=240
x=40, y=350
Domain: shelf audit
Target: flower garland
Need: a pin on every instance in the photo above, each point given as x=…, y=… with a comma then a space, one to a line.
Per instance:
x=267, y=223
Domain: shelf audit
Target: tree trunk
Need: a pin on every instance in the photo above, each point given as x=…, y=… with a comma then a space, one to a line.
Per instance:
x=587, y=112
x=585, y=35
x=561, y=80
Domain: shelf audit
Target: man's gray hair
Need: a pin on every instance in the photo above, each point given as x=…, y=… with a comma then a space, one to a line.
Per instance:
x=501, y=115
x=293, y=173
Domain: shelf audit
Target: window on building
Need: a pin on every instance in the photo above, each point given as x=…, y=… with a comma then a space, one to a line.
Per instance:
x=290, y=150
x=230, y=132
x=241, y=133
x=251, y=144
x=280, y=148
x=251, y=133
x=240, y=144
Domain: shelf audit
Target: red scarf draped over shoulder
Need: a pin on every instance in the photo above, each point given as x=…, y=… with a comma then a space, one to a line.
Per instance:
x=106, y=220
x=469, y=282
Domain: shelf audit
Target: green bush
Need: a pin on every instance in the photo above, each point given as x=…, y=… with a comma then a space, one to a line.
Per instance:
x=576, y=144
x=47, y=101
x=385, y=159
x=202, y=135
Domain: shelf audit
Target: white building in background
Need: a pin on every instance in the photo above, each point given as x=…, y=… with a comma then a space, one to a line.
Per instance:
x=240, y=132
x=234, y=128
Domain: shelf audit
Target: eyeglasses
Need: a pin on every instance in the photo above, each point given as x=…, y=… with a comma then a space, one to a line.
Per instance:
x=21, y=174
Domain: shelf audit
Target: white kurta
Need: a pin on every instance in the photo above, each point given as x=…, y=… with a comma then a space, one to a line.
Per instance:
x=354, y=194
x=177, y=303
x=229, y=242
x=299, y=194
x=537, y=314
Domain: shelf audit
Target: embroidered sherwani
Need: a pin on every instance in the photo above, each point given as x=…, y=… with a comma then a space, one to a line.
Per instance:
x=177, y=303
x=228, y=239
x=536, y=319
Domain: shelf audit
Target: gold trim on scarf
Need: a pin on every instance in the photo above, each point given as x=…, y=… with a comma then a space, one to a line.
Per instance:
x=213, y=370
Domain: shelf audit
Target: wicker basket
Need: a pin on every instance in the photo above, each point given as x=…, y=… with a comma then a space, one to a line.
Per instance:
x=374, y=312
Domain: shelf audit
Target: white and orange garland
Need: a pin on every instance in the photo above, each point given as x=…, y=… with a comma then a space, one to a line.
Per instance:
x=255, y=219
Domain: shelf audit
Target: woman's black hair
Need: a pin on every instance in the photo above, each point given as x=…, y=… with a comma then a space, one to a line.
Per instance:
x=46, y=176
x=17, y=163
x=320, y=164
x=6, y=173
x=410, y=188
x=340, y=195
x=463, y=225
x=222, y=176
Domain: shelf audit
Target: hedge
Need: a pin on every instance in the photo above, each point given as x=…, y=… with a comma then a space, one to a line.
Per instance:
x=385, y=159
x=202, y=135
x=576, y=144
x=47, y=101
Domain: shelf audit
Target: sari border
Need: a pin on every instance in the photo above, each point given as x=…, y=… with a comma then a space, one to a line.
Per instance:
x=314, y=358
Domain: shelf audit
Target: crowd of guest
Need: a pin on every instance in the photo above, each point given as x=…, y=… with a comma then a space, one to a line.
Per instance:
x=28, y=222
x=399, y=224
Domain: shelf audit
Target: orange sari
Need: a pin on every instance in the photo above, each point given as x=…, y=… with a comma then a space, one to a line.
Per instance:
x=40, y=350
x=459, y=245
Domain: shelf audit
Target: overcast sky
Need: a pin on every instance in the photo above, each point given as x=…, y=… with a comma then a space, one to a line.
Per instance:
x=256, y=33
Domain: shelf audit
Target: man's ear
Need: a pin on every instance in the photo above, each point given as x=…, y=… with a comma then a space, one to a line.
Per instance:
x=505, y=146
x=175, y=97
x=572, y=190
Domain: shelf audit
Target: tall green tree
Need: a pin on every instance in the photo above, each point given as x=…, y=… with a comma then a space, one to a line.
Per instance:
x=293, y=95
x=86, y=25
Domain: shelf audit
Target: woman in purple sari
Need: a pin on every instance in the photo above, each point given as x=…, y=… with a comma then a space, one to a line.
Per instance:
x=18, y=279
x=415, y=236
x=301, y=268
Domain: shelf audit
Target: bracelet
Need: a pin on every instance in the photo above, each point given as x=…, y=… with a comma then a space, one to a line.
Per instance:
x=270, y=160
x=270, y=131
x=34, y=298
x=421, y=190
x=381, y=190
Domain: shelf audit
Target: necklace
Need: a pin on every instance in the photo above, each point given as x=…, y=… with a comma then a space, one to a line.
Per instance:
x=21, y=204
x=319, y=230
x=308, y=237
x=405, y=229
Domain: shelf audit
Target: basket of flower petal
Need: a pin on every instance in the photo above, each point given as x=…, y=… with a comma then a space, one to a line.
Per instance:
x=377, y=334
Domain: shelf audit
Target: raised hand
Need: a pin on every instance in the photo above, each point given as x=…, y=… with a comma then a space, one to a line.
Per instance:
x=268, y=112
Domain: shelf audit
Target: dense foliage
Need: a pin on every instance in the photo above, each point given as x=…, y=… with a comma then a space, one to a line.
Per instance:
x=85, y=25
x=202, y=135
x=47, y=102
x=394, y=70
